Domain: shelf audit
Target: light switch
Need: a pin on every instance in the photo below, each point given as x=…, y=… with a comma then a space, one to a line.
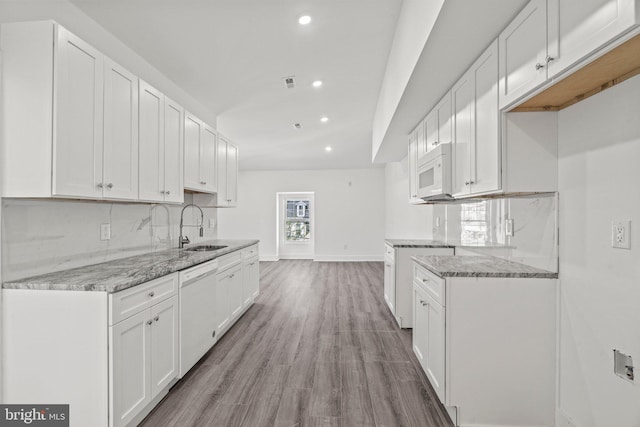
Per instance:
x=509, y=227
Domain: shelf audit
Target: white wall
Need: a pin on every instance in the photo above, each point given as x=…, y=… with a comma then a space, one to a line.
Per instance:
x=350, y=209
x=87, y=29
x=403, y=220
x=599, y=149
x=416, y=20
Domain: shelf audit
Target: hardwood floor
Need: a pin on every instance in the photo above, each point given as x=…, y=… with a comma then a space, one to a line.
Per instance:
x=318, y=348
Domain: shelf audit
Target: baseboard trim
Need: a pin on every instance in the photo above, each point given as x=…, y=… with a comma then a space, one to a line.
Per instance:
x=348, y=258
x=269, y=258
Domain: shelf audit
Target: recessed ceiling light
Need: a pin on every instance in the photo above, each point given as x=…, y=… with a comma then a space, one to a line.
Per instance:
x=317, y=83
x=324, y=119
x=327, y=148
x=304, y=19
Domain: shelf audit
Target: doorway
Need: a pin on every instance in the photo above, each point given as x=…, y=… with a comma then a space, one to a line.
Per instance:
x=295, y=225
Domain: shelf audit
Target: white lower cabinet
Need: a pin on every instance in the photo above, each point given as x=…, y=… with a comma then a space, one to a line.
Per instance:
x=228, y=291
x=144, y=351
x=250, y=275
x=398, y=273
x=487, y=346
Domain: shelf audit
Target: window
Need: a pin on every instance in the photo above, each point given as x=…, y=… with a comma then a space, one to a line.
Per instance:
x=297, y=225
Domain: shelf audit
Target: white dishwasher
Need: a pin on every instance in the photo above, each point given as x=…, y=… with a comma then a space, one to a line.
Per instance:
x=197, y=313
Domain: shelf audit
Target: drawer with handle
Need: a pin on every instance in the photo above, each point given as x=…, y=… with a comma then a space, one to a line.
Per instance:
x=250, y=252
x=130, y=301
x=389, y=253
x=432, y=284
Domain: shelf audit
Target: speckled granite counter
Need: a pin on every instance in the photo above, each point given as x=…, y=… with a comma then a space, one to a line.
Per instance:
x=480, y=266
x=416, y=243
x=120, y=274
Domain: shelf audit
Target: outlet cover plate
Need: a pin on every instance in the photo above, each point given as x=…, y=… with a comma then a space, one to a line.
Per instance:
x=621, y=234
x=105, y=231
x=509, y=227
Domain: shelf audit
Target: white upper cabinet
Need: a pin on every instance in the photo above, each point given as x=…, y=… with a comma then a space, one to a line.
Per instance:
x=78, y=112
x=523, y=53
x=160, y=138
x=578, y=27
x=120, y=144
x=430, y=131
x=200, y=143
x=476, y=147
x=412, y=157
x=227, y=173
x=437, y=124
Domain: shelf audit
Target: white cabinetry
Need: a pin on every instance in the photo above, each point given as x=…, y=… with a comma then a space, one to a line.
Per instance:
x=548, y=37
x=229, y=301
x=476, y=140
x=438, y=124
x=470, y=332
x=161, y=125
x=144, y=350
x=398, y=273
x=412, y=158
x=200, y=142
x=250, y=275
x=227, y=173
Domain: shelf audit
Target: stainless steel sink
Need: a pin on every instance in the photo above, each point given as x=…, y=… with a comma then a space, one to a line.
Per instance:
x=204, y=248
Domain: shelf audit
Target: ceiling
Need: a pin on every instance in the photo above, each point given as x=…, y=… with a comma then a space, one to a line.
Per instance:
x=231, y=56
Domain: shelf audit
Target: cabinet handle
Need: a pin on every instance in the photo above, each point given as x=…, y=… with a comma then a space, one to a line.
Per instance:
x=549, y=58
x=231, y=276
x=162, y=191
x=100, y=185
x=149, y=322
x=156, y=318
x=203, y=182
x=414, y=195
x=167, y=192
x=436, y=143
x=539, y=66
x=471, y=182
x=425, y=280
x=252, y=263
x=110, y=186
x=152, y=294
x=466, y=183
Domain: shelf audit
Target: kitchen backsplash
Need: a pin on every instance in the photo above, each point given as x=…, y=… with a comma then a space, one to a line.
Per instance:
x=41, y=236
x=478, y=227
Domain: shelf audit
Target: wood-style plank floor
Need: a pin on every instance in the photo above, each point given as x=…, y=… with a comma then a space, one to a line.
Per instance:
x=318, y=348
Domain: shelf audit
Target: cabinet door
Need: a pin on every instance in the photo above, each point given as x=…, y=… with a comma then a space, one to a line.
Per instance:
x=173, y=148
x=444, y=119
x=579, y=27
x=164, y=344
x=120, y=133
x=77, y=143
x=208, y=166
x=390, y=285
x=235, y=291
x=192, y=132
x=523, y=52
x=420, y=326
x=431, y=130
x=223, y=313
x=435, y=344
x=232, y=175
x=222, y=172
x=462, y=105
x=130, y=367
x=485, y=149
x=151, y=142
x=250, y=279
x=413, y=170
x=422, y=135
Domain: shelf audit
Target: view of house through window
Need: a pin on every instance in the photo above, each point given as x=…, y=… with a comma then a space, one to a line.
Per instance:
x=297, y=221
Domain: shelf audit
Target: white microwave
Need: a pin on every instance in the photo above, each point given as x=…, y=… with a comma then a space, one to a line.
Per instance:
x=434, y=174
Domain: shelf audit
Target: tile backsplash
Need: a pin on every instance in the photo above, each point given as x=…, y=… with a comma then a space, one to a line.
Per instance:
x=41, y=236
x=478, y=227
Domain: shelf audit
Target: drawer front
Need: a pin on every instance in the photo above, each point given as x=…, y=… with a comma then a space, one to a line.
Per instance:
x=227, y=261
x=250, y=252
x=133, y=300
x=389, y=253
x=432, y=284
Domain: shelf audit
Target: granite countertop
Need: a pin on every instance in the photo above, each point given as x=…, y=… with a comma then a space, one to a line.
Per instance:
x=120, y=274
x=416, y=243
x=479, y=266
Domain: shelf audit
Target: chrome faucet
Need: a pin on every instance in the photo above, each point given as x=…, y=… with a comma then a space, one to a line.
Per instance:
x=185, y=240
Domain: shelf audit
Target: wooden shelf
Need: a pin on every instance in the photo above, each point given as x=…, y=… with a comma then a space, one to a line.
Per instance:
x=610, y=69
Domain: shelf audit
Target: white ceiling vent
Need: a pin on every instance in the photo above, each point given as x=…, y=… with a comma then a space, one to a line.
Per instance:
x=297, y=125
x=289, y=82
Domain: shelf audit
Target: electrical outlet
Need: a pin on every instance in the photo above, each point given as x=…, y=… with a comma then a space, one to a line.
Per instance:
x=212, y=223
x=509, y=227
x=620, y=234
x=623, y=365
x=438, y=221
x=105, y=231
